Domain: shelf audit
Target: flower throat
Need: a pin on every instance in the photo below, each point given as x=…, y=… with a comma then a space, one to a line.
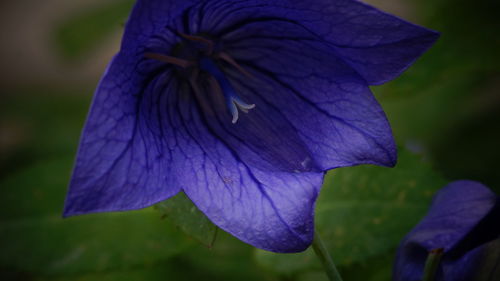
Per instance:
x=199, y=55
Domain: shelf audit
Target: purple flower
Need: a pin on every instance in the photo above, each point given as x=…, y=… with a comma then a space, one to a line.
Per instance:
x=242, y=105
x=463, y=221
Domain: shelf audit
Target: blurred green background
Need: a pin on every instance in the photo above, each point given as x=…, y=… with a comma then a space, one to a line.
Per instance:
x=445, y=113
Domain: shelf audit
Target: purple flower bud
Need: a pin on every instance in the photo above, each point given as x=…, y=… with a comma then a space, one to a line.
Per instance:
x=463, y=221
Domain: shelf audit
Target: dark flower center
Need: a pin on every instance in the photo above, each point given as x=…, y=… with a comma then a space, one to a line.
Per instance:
x=199, y=54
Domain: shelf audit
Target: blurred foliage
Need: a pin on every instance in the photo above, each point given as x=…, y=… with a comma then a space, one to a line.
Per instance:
x=363, y=212
x=39, y=124
x=448, y=103
x=83, y=32
x=446, y=107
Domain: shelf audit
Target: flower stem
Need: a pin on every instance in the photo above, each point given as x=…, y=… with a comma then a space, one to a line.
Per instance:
x=325, y=258
x=432, y=264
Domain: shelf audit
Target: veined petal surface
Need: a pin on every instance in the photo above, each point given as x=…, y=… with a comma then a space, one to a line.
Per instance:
x=157, y=127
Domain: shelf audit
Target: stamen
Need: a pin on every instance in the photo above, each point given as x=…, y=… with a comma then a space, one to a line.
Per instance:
x=231, y=61
x=202, y=101
x=209, y=43
x=168, y=59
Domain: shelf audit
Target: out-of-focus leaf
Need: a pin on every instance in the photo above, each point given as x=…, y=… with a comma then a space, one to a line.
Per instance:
x=364, y=212
x=158, y=273
x=52, y=245
x=182, y=212
x=448, y=102
x=287, y=264
x=374, y=269
x=175, y=269
x=84, y=30
x=229, y=259
x=36, y=191
x=315, y=276
x=34, y=238
x=37, y=124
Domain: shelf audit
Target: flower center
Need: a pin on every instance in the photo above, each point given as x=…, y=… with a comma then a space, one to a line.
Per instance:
x=198, y=56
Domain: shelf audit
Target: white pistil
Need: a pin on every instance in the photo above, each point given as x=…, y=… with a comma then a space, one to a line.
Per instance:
x=236, y=104
x=234, y=112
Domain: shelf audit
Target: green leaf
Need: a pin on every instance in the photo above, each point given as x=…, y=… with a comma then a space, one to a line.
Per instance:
x=364, y=212
x=181, y=211
x=229, y=260
x=161, y=272
x=35, y=238
x=37, y=190
x=40, y=124
x=52, y=245
x=374, y=269
x=287, y=264
x=84, y=30
x=447, y=102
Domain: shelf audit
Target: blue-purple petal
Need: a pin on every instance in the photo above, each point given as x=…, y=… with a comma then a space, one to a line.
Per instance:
x=262, y=138
x=121, y=163
x=149, y=17
x=480, y=264
x=270, y=210
x=328, y=104
x=150, y=134
x=379, y=46
x=456, y=211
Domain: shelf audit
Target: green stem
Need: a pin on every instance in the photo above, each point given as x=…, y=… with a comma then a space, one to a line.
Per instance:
x=432, y=264
x=325, y=258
